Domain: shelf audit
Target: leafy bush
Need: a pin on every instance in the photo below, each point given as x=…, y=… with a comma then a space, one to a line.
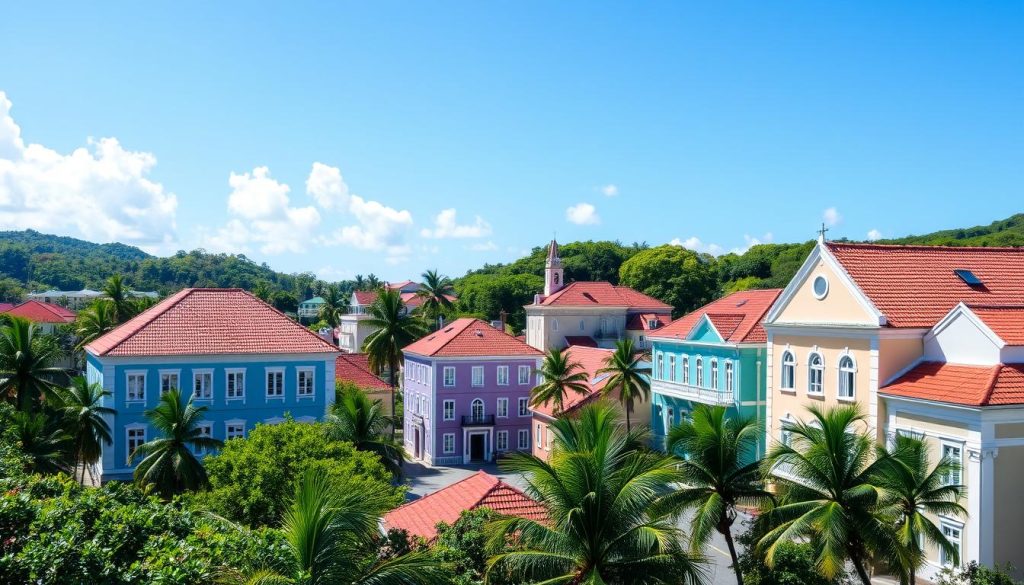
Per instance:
x=794, y=564
x=463, y=546
x=975, y=574
x=252, y=480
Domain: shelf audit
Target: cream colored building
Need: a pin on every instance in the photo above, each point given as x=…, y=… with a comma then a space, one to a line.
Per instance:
x=857, y=317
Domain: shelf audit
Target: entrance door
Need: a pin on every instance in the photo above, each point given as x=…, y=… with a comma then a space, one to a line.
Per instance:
x=476, y=447
x=416, y=449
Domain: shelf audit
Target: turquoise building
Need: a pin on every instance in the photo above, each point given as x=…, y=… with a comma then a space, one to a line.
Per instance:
x=246, y=362
x=715, y=355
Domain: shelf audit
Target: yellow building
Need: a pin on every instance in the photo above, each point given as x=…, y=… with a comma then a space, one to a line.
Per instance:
x=857, y=318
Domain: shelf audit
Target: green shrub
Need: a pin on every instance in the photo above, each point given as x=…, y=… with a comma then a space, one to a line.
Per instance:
x=975, y=574
x=794, y=564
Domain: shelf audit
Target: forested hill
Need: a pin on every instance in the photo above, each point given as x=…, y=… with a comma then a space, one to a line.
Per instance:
x=1005, y=232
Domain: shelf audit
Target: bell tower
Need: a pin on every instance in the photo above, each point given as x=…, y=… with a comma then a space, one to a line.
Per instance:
x=553, y=277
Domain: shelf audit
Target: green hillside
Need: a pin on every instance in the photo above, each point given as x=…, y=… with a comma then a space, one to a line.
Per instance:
x=1005, y=232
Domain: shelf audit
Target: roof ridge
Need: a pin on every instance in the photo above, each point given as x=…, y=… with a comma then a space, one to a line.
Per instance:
x=922, y=246
x=181, y=295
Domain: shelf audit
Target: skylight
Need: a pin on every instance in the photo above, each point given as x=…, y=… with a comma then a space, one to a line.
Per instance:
x=967, y=276
x=741, y=303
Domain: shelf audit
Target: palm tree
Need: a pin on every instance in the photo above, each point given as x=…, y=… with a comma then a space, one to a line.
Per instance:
x=435, y=291
x=26, y=373
x=335, y=305
x=168, y=463
x=43, y=442
x=330, y=533
x=94, y=322
x=559, y=377
x=830, y=496
x=359, y=283
x=372, y=282
x=714, y=460
x=393, y=330
x=605, y=519
x=914, y=492
x=362, y=422
x=119, y=298
x=79, y=404
x=628, y=377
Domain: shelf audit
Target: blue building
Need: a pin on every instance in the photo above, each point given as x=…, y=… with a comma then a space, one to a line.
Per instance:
x=228, y=350
x=714, y=355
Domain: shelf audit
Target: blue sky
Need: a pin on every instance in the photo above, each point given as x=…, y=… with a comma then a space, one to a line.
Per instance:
x=198, y=125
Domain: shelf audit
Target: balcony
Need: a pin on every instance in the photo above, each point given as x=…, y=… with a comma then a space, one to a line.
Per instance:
x=482, y=420
x=695, y=393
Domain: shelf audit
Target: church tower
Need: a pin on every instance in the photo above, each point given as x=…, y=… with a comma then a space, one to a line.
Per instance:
x=553, y=277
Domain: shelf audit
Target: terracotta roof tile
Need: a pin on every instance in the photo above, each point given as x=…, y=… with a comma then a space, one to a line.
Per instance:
x=642, y=321
x=603, y=294
x=740, y=313
x=355, y=368
x=202, y=321
x=470, y=337
x=40, y=312
x=1002, y=384
x=915, y=286
x=1007, y=321
x=591, y=359
x=480, y=490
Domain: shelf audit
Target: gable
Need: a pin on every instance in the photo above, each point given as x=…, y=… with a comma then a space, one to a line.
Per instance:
x=705, y=331
x=842, y=304
x=962, y=338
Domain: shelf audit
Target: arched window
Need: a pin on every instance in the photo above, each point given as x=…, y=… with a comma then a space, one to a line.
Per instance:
x=815, y=374
x=730, y=377
x=788, y=370
x=478, y=409
x=686, y=369
x=661, y=366
x=714, y=374
x=700, y=372
x=847, y=372
x=672, y=368
x=555, y=278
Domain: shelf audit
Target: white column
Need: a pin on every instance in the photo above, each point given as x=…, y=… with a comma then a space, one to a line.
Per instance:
x=972, y=473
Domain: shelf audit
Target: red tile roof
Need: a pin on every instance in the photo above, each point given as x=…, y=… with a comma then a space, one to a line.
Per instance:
x=355, y=368
x=737, y=317
x=40, y=312
x=1006, y=321
x=480, y=490
x=591, y=359
x=470, y=337
x=411, y=299
x=642, y=321
x=401, y=285
x=915, y=286
x=581, y=340
x=203, y=321
x=1002, y=384
x=4, y=307
x=582, y=294
x=366, y=297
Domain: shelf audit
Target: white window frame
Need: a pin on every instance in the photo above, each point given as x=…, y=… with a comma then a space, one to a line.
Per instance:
x=524, y=375
x=448, y=410
x=228, y=372
x=167, y=374
x=699, y=366
x=448, y=443
x=498, y=377
x=472, y=407
x=235, y=422
x=786, y=435
x=278, y=373
x=502, y=407
x=661, y=365
x=714, y=373
x=205, y=430
x=128, y=438
x=498, y=440
x=523, y=439
x=128, y=375
x=789, y=366
x=207, y=384
x=686, y=369
x=547, y=433
x=523, y=406
x=730, y=376
x=944, y=444
x=847, y=373
x=449, y=370
x=811, y=369
x=311, y=372
x=554, y=324
x=476, y=380
x=958, y=540
x=672, y=368
x=539, y=439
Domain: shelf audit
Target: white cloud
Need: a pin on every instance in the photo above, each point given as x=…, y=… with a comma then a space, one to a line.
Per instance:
x=749, y=241
x=582, y=214
x=874, y=235
x=380, y=227
x=99, y=192
x=446, y=226
x=487, y=246
x=610, y=190
x=327, y=187
x=694, y=243
x=831, y=216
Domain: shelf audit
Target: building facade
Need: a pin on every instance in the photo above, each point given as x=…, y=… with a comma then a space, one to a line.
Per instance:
x=224, y=348
x=80, y=299
x=466, y=394
x=715, y=355
x=354, y=328
x=309, y=309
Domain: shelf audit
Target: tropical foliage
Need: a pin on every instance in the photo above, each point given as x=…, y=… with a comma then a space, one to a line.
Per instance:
x=335, y=305
x=629, y=379
x=26, y=363
x=93, y=322
x=361, y=421
x=43, y=442
x=394, y=329
x=560, y=376
x=83, y=414
x=436, y=292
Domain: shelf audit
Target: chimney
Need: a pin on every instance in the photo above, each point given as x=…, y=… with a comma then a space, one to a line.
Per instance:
x=503, y=315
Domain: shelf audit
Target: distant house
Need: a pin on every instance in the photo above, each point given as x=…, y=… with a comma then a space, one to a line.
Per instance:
x=79, y=299
x=225, y=348
x=354, y=368
x=354, y=328
x=419, y=518
x=47, y=316
x=310, y=308
x=568, y=313
x=467, y=390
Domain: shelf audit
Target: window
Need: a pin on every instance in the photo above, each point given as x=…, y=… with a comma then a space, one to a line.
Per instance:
x=449, y=442
x=820, y=287
x=788, y=370
x=730, y=377
x=583, y=325
x=554, y=324
x=714, y=374
x=275, y=383
x=234, y=429
x=236, y=384
x=670, y=419
x=449, y=376
x=686, y=369
x=846, y=377
x=202, y=385
x=502, y=375
x=672, y=368
x=306, y=382
x=501, y=441
x=539, y=439
x=524, y=406
x=502, y=408
x=478, y=375
x=524, y=439
x=700, y=372
x=815, y=374
x=205, y=430
x=953, y=534
x=524, y=375
x=168, y=382
x=954, y=453
x=477, y=409
x=449, y=409
x=547, y=430
x=136, y=387
x=661, y=366
x=785, y=435
x=136, y=436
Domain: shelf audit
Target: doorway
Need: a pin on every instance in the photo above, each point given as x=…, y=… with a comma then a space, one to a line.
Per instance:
x=476, y=447
x=416, y=448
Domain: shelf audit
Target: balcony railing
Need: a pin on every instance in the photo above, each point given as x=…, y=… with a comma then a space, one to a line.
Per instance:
x=478, y=420
x=690, y=392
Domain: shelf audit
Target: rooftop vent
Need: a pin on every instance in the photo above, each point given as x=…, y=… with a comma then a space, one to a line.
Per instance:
x=478, y=333
x=967, y=276
x=741, y=303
